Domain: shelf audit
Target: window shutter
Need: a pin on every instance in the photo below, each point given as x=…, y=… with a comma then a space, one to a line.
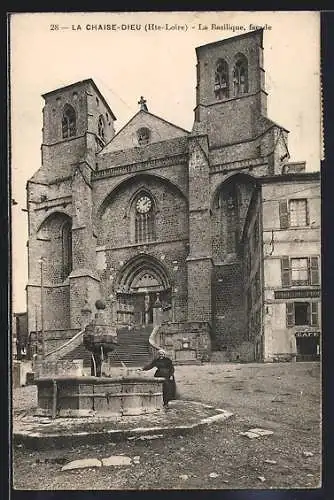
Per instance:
x=314, y=271
x=283, y=214
x=290, y=313
x=314, y=314
x=285, y=271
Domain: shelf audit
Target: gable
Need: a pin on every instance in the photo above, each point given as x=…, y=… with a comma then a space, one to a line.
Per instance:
x=159, y=130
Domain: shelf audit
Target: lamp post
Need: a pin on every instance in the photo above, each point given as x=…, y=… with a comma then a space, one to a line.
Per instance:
x=41, y=262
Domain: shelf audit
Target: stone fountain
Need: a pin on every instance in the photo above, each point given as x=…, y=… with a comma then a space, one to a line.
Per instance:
x=99, y=395
x=100, y=338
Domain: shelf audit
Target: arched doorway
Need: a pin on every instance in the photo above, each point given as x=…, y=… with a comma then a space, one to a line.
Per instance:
x=142, y=283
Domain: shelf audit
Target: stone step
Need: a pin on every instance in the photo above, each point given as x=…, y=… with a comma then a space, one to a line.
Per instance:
x=136, y=328
x=133, y=338
x=136, y=340
x=125, y=354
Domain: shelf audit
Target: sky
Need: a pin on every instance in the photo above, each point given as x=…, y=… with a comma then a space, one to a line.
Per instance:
x=48, y=51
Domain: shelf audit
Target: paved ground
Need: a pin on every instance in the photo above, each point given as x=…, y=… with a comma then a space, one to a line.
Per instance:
x=284, y=398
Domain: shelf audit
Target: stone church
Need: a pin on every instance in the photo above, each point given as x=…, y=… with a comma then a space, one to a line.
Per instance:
x=209, y=237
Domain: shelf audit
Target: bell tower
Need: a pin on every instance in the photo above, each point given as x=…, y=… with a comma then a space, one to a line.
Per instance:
x=77, y=123
x=230, y=94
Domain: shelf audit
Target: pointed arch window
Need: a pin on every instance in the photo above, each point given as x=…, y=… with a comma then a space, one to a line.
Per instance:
x=144, y=227
x=101, y=128
x=66, y=237
x=221, y=80
x=68, y=122
x=240, y=76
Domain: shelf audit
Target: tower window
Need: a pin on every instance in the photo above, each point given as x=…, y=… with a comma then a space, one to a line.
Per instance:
x=144, y=219
x=221, y=80
x=68, y=122
x=143, y=135
x=240, y=76
x=100, y=128
x=66, y=235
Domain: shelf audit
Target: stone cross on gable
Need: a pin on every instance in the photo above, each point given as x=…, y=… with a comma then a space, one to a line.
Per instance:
x=142, y=103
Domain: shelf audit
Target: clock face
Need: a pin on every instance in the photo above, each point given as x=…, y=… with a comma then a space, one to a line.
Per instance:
x=143, y=205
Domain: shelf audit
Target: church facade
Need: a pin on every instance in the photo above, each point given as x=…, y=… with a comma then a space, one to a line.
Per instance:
x=213, y=227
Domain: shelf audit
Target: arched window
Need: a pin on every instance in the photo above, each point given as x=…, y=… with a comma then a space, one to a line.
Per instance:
x=143, y=135
x=100, y=128
x=66, y=238
x=144, y=218
x=240, y=76
x=68, y=122
x=221, y=80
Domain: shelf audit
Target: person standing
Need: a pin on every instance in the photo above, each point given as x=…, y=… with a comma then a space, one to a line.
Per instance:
x=165, y=369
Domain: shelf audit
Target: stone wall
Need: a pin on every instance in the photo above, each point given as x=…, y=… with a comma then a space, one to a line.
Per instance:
x=253, y=276
x=229, y=313
x=186, y=342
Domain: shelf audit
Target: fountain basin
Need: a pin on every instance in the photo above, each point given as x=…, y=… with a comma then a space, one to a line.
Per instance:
x=68, y=396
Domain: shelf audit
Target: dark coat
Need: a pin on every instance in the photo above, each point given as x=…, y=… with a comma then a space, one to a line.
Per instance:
x=164, y=367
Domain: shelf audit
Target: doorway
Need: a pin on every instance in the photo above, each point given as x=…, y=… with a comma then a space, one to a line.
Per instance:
x=143, y=308
x=308, y=348
x=142, y=281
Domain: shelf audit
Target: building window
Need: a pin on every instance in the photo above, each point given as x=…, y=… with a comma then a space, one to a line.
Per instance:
x=221, y=80
x=240, y=76
x=66, y=235
x=302, y=314
x=143, y=135
x=299, y=271
x=293, y=213
x=144, y=219
x=298, y=213
x=68, y=122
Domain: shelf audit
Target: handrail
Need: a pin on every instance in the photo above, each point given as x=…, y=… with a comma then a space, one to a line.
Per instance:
x=64, y=347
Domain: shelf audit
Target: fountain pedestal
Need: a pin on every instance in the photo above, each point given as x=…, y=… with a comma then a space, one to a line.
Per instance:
x=94, y=396
x=100, y=338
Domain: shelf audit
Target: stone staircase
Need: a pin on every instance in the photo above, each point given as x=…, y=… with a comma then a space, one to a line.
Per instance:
x=79, y=352
x=133, y=348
